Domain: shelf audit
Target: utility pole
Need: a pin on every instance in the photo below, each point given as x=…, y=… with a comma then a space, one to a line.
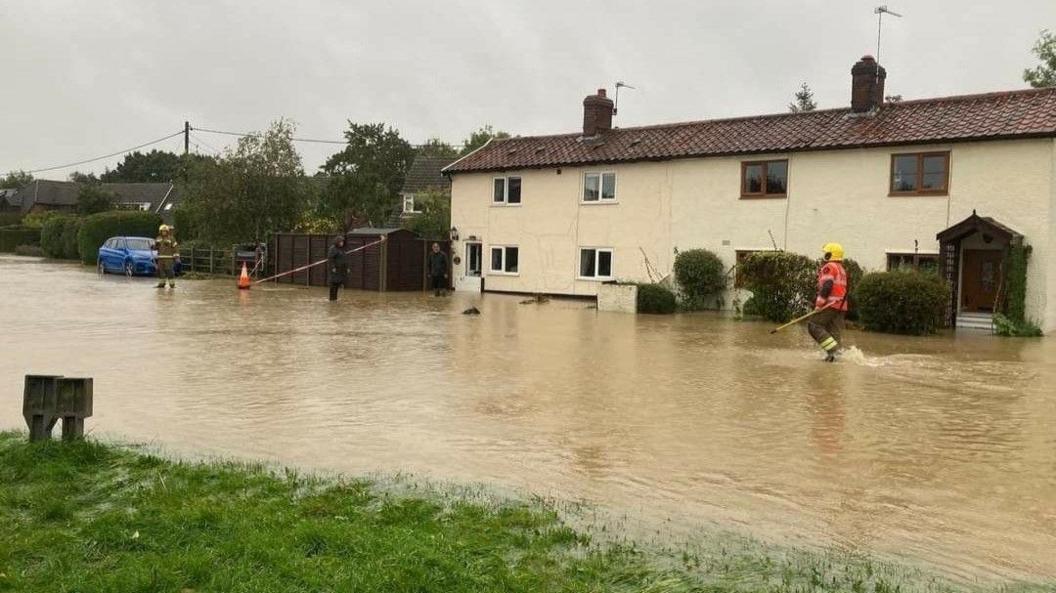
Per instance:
x=186, y=137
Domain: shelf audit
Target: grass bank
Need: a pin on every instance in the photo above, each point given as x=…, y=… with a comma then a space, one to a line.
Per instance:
x=89, y=517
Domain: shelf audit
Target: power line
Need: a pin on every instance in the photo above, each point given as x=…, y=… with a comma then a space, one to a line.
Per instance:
x=248, y=135
x=107, y=156
x=197, y=139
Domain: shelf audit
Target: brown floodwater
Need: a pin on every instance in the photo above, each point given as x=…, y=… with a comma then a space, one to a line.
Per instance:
x=938, y=450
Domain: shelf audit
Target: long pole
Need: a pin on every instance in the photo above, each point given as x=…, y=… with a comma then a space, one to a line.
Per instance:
x=801, y=318
x=186, y=137
x=312, y=265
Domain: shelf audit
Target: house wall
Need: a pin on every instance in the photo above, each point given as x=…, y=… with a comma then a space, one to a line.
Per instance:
x=839, y=195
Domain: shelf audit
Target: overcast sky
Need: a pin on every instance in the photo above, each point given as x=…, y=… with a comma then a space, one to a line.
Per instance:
x=81, y=79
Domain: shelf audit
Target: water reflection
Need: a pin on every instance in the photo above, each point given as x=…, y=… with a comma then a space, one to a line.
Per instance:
x=936, y=449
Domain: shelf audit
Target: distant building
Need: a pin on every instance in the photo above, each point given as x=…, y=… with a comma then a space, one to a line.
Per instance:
x=45, y=194
x=948, y=183
x=425, y=175
x=9, y=200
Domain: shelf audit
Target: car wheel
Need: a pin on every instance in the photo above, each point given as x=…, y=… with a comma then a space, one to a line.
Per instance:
x=130, y=270
x=100, y=267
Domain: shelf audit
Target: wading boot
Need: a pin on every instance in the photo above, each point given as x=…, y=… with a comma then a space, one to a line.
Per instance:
x=160, y=284
x=172, y=285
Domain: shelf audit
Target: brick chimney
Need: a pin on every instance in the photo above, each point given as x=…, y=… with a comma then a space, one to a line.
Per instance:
x=597, y=114
x=867, y=85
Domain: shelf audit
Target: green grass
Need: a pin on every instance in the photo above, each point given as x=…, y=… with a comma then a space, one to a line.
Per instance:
x=87, y=517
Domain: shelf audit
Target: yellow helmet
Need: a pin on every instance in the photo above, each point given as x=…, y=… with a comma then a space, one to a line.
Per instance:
x=163, y=228
x=833, y=251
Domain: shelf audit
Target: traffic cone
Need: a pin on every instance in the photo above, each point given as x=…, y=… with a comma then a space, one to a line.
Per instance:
x=243, y=279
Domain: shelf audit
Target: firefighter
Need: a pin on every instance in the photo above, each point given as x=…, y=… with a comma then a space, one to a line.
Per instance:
x=826, y=326
x=168, y=255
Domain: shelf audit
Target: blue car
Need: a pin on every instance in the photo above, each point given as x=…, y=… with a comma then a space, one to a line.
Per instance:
x=131, y=256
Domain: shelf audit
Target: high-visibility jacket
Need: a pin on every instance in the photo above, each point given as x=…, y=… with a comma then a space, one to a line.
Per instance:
x=166, y=247
x=832, y=287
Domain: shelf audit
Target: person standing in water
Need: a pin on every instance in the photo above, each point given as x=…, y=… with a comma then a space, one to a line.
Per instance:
x=168, y=255
x=826, y=326
x=438, y=270
x=337, y=264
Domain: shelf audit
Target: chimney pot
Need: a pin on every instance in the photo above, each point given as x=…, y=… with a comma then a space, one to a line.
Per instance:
x=597, y=114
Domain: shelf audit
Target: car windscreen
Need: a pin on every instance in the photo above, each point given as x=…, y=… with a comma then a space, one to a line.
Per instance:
x=139, y=244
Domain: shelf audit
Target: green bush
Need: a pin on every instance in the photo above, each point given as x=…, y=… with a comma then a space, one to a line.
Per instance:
x=52, y=236
x=902, y=302
x=97, y=228
x=1004, y=326
x=1015, y=301
x=70, y=249
x=36, y=220
x=701, y=275
x=656, y=298
x=11, y=238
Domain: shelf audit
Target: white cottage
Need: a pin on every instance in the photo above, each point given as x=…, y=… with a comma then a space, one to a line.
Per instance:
x=948, y=182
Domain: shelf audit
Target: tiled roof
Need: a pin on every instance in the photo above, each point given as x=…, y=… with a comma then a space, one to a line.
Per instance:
x=64, y=193
x=1028, y=113
x=425, y=173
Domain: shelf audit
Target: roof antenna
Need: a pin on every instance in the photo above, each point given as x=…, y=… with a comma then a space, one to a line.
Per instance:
x=880, y=12
x=616, y=105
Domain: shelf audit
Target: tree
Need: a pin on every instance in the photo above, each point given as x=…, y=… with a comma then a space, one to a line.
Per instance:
x=138, y=167
x=480, y=138
x=437, y=147
x=15, y=180
x=78, y=177
x=257, y=188
x=1043, y=75
x=434, y=220
x=804, y=100
x=93, y=199
x=366, y=176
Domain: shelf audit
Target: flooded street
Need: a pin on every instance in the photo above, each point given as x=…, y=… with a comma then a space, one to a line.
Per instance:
x=937, y=450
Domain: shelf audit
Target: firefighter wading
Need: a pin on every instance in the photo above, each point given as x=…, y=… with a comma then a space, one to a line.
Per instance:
x=826, y=327
x=168, y=252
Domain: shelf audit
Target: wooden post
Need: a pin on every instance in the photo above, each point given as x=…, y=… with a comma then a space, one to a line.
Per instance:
x=48, y=398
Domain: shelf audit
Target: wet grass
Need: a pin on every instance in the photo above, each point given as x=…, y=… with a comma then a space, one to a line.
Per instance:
x=88, y=517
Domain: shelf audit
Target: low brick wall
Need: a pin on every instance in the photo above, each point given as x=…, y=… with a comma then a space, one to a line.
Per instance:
x=621, y=298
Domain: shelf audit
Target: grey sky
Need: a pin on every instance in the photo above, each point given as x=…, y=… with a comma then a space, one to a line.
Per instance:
x=81, y=79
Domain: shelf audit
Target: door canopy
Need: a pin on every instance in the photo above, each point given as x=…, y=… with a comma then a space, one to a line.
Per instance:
x=989, y=228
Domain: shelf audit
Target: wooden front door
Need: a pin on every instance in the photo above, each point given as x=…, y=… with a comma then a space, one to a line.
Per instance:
x=980, y=279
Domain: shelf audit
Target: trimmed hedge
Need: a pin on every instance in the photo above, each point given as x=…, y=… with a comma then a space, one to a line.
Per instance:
x=11, y=238
x=903, y=302
x=58, y=237
x=700, y=275
x=97, y=228
x=10, y=219
x=656, y=299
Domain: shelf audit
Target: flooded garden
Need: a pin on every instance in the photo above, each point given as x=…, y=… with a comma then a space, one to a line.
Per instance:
x=936, y=452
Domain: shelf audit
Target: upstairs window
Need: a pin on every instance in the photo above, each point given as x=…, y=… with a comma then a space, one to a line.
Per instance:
x=920, y=174
x=599, y=187
x=764, y=179
x=504, y=259
x=595, y=263
x=507, y=191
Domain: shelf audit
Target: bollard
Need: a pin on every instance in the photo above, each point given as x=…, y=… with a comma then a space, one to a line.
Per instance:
x=49, y=398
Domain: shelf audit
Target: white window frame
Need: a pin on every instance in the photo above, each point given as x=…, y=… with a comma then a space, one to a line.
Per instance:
x=408, y=199
x=469, y=271
x=506, y=191
x=597, y=252
x=503, y=272
x=601, y=188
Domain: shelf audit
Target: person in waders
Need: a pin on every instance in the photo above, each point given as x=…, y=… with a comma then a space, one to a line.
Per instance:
x=337, y=262
x=438, y=270
x=168, y=255
x=826, y=326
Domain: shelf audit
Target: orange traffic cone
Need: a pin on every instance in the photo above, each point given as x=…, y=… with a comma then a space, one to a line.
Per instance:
x=243, y=279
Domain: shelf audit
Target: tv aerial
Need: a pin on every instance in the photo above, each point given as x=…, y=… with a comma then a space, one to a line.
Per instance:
x=616, y=104
x=880, y=11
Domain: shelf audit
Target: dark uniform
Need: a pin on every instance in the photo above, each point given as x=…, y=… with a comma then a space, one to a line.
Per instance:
x=438, y=271
x=337, y=264
x=168, y=251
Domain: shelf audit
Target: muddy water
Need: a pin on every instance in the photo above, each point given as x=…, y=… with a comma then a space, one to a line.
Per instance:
x=939, y=450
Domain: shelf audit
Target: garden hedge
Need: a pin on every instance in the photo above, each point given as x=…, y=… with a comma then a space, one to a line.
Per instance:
x=783, y=284
x=656, y=298
x=97, y=228
x=12, y=237
x=701, y=275
x=903, y=302
x=58, y=237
